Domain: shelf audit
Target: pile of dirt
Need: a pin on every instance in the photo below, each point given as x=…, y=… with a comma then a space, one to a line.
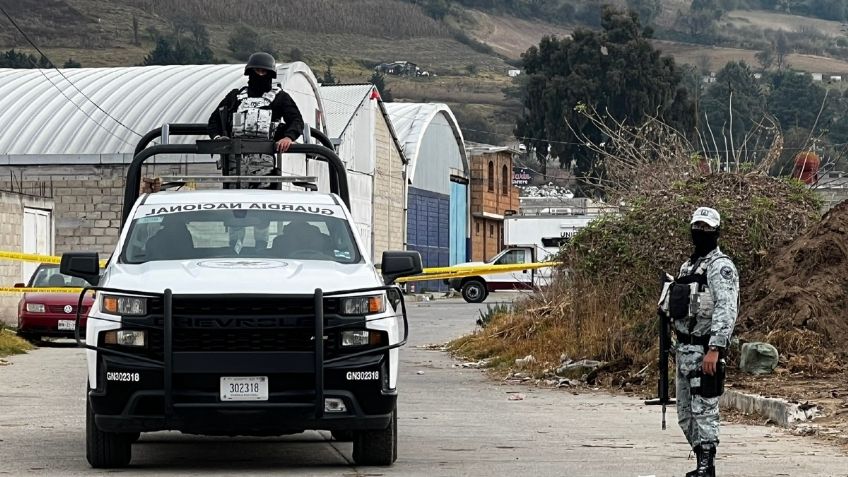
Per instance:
x=604, y=308
x=799, y=303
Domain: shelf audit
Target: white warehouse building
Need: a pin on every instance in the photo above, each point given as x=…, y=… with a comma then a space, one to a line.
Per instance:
x=56, y=138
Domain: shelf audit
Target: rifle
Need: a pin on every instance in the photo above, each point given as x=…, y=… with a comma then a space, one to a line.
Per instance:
x=664, y=325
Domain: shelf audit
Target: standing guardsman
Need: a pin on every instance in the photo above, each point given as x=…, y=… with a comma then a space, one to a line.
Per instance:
x=703, y=303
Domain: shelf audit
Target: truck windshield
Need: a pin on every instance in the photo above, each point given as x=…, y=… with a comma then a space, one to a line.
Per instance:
x=240, y=233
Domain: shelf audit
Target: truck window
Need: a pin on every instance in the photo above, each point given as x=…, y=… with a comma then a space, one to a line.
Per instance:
x=513, y=257
x=239, y=234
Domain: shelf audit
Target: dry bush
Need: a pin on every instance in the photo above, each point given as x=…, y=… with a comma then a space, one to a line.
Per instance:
x=605, y=306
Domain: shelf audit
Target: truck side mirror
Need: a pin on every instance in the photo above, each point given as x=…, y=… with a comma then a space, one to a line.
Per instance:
x=85, y=265
x=400, y=264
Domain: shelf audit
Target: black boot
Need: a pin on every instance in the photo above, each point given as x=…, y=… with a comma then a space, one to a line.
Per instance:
x=694, y=473
x=706, y=462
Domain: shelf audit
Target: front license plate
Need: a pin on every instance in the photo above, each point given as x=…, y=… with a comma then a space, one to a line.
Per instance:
x=67, y=324
x=250, y=388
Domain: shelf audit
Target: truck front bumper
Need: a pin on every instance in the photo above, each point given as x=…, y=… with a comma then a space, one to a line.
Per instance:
x=138, y=406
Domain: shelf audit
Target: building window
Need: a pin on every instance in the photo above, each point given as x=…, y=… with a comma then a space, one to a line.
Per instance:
x=504, y=181
x=491, y=230
x=478, y=228
x=491, y=176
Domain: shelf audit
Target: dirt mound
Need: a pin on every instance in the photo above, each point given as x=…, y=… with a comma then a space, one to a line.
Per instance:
x=604, y=308
x=800, y=301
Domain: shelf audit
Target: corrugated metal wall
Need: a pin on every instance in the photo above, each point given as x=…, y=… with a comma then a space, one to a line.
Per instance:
x=428, y=231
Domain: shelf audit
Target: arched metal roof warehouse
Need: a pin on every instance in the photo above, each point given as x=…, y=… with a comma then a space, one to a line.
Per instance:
x=47, y=120
x=428, y=131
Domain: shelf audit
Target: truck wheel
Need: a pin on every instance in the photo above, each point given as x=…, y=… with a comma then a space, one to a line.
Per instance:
x=474, y=291
x=343, y=436
x=376, y=447
x=105, y=450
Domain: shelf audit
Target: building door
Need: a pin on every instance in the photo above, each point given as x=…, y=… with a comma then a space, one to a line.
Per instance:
x=37, y=237
x=458, y=222
x=428, y=227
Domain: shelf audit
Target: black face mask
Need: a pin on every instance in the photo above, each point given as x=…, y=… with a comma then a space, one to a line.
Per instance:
x=258, y=85
x=705, y=242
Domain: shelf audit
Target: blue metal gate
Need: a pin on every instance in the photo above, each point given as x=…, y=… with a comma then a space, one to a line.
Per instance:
x=458, y=222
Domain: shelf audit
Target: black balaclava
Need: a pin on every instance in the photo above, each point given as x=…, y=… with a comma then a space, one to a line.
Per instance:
x=704, y=241
x=258, y=85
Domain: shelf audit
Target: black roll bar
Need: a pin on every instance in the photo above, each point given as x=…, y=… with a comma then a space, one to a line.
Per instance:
x=200, y=129
x=338, y=173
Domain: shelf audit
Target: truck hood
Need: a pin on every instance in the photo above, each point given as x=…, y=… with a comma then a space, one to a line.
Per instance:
x=234, y=276
x=471, y=264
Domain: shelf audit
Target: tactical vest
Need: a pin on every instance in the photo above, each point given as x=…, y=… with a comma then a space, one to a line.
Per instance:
x=252, y=119
x=689, y=297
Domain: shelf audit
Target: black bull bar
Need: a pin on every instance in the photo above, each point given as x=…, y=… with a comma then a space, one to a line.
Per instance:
x=317, y=364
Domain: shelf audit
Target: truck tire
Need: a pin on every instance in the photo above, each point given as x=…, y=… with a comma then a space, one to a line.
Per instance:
x=105, y=450
x=376, y=447
x=474, y=291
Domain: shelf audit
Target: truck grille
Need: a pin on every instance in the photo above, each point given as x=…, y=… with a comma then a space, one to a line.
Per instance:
x=217, y=324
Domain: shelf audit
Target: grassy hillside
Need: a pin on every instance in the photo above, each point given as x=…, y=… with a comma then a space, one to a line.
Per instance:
x=358, y=34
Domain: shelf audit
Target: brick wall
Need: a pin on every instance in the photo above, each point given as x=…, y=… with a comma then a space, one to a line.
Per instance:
x=89, y=200
x=492, y=201
x=389, y=205
x=487, y=232
x=486, y=238
x=11, y=240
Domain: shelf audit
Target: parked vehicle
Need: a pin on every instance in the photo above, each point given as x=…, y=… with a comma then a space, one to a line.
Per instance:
x=528, y=239
x=50, y=314
x=242, y=312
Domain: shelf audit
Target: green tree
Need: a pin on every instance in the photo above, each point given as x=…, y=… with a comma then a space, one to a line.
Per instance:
x=765, y=57
x=329, y=77
x=742, y=110
x=295, y=55
x=20, y=60
x=646, y=9
x=617, y=71
x=244, y=41
x=796, y=100
x=72, y=63
x=187, y=44
x=379, y=80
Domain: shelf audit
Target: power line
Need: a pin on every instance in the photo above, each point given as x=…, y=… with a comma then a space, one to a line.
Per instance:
x=26, y=37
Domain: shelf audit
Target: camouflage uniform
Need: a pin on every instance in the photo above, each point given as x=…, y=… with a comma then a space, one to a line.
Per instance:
x=698, y=416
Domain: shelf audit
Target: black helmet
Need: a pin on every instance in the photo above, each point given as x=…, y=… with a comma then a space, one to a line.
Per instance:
x=261, y=60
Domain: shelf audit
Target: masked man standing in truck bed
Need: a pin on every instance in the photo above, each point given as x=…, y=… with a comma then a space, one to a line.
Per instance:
x=704, y=304
x=261, y=110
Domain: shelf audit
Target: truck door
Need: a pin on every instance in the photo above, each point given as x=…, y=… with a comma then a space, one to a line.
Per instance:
x=512, y=280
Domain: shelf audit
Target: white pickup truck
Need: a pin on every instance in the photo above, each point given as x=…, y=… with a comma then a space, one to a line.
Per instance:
x=242, y=312
x=529, y=239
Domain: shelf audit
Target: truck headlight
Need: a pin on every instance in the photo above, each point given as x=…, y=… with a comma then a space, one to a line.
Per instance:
x=124, y=305
x=35, y=307
x=363, y=305
x=125, y=337
x=355, y=338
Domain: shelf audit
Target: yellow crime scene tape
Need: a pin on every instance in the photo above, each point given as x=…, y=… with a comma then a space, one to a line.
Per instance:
x=40, y=290
x=438, y=273
x=434, y=273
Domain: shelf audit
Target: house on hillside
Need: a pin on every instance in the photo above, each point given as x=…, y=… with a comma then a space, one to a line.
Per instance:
x=358, y=122
x=437, y=177
x=399, y=68
x=64, y=138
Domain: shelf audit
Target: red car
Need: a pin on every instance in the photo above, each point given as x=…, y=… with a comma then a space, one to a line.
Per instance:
x=51, y=314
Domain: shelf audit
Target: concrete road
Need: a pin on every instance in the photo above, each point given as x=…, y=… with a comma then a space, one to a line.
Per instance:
x=452, y=422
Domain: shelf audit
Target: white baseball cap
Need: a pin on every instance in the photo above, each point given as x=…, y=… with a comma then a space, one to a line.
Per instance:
x=706, y=215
